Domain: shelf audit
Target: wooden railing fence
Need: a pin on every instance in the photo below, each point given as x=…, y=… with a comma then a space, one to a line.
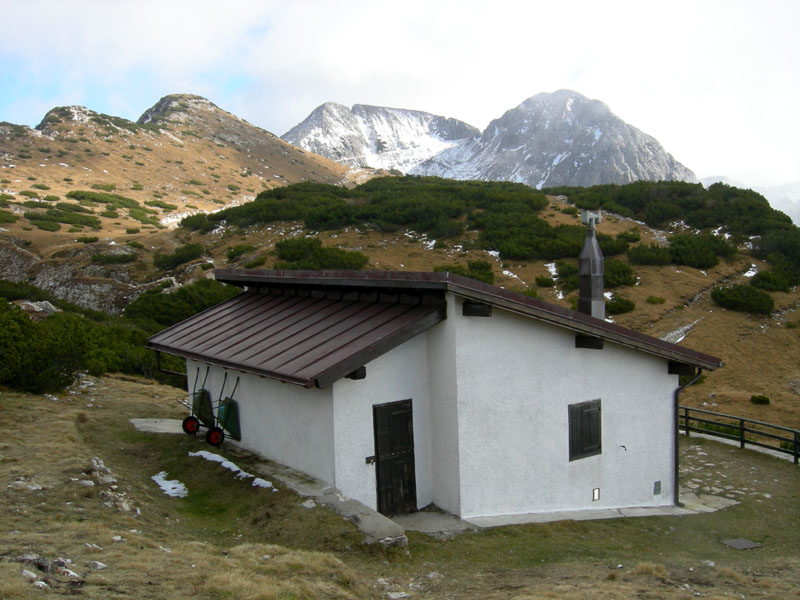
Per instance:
x=745, y=431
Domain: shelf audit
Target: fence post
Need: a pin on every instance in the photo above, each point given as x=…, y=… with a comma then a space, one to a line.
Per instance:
x=741, y=433
x=686, y=421
x=796, y=446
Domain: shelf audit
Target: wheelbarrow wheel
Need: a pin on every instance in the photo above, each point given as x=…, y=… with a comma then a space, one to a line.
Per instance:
x=191, y=425
x=214, y=436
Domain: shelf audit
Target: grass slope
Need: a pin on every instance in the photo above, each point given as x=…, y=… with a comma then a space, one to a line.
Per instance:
x=227, y=539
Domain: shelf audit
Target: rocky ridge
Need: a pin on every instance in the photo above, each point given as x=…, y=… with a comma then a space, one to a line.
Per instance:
x=183, y=155
x=554, y=139
x=375, y=136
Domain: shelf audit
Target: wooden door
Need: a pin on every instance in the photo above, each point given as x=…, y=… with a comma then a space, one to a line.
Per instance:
x=394, y=457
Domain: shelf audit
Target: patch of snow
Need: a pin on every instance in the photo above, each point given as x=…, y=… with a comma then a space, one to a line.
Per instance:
x=494, y=254
x=678, y=335
x=752, y=271
x=171, y=487
x=608, y=295
x=240, y=474
x=551, y=267
x=514, y=275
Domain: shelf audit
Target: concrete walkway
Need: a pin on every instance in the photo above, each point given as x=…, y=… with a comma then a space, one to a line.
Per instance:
x=391, y=532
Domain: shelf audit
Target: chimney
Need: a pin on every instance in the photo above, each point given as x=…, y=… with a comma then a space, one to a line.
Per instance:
x=590, y=270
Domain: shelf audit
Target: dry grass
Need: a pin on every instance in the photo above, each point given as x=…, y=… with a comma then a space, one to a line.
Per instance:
x=226, y=540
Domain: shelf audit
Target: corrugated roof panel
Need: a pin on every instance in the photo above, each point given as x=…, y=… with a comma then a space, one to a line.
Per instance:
x=296, y=338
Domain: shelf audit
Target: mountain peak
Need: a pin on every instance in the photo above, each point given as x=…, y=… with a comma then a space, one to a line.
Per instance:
x=550, y=139
x=376, y=136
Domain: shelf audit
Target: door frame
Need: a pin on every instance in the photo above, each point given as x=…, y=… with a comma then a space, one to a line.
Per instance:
x=406, y=500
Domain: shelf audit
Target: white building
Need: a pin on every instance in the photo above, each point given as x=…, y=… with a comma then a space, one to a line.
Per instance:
x=408, y=389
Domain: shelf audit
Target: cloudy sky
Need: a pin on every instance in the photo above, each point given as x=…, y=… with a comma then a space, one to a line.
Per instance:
x=717, y=83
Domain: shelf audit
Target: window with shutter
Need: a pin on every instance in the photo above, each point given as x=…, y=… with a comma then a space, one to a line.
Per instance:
x=585, y=434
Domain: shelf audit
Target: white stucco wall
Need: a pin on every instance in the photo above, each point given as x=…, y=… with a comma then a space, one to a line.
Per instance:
x=400, y=374
x=517, y=377
x=282, y=422
x=445, y=433
x=490, y=401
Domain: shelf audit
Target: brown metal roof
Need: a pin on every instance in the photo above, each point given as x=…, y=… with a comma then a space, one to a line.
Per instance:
x=439, y=282
x=308, y=338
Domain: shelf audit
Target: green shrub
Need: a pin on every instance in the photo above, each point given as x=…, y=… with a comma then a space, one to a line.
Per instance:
x=45, y=225
x=480, y=270
x=7, y=217
x=744, y=298
x=76, y=208
x=544, y=281
x=29, y=193
x=179, y=256
x=296, y=249
x=134, y=244
x=566, y=269
x=772, y=280
x=309, y=254
x=132, y=230
x=194, y=182
x=113, y=259
x=618, y=273
x=256, y=262
x=699, y=251
x=234, y=252
x=631, y=235
x=161, y=204
x=759, y=399
x=15, y=327
x=619, y=305
x=611, y=246
x=87, y=239
x=137, y=187
x=51, y=198
x=198, y=222
x=655, y=300
x=40, y=186
x=106, y=187
x=651, y=254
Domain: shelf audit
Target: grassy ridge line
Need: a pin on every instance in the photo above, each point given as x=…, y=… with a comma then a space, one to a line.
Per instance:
x=506, y=215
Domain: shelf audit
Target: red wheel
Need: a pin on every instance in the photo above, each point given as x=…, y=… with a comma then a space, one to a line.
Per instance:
x=214, y=436
x=190, y=425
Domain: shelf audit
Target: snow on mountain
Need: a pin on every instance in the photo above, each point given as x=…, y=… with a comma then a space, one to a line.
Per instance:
x=377, y=137
x=561, y=138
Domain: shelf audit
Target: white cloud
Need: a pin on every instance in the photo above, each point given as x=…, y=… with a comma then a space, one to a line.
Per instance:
x=715, y=82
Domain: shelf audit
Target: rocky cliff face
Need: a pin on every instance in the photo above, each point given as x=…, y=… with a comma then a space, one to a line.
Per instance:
x=378, y=137
x=561, y=138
